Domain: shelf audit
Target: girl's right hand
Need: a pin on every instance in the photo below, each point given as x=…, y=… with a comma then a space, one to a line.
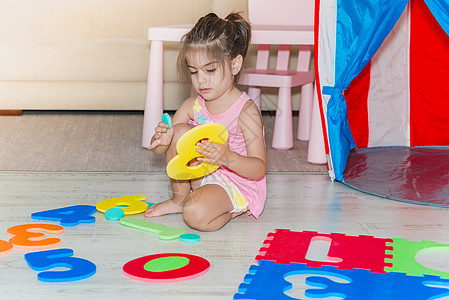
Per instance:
x=162, y=137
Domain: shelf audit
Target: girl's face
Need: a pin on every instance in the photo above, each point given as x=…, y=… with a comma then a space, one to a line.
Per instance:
x=210, y=79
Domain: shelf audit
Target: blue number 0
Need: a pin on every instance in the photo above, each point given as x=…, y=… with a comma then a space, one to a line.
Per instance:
x=44, y=260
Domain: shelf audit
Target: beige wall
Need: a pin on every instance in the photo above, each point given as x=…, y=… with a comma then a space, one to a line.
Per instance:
x=86, y=54
x=91, y=54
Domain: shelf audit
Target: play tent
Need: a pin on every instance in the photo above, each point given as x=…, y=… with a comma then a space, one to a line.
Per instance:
x=382, y=73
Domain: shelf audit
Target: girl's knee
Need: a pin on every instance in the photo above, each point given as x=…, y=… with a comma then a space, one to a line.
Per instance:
x=192, y=217
x=195, y=216
x=203, y=209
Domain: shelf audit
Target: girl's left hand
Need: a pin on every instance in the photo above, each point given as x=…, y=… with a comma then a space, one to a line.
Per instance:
x=214, y=153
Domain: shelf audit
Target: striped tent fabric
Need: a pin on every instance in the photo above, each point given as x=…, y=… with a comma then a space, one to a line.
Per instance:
x=382, y=76
x=382, y=72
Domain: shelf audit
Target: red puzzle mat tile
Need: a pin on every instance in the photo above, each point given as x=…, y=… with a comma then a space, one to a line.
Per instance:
x=346, y=252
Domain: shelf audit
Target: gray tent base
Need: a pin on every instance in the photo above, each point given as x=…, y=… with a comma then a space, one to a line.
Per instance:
x=417, y=175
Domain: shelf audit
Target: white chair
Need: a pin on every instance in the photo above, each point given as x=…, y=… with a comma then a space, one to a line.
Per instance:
x=284, y=15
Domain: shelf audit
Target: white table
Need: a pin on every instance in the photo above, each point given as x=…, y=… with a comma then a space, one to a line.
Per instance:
x=298, y=35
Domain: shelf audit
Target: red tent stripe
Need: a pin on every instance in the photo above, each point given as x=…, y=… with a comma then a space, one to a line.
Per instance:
x=357, y=102
x=429, y=74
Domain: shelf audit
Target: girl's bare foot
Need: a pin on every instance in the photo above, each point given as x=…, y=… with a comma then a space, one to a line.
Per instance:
x=167, y=207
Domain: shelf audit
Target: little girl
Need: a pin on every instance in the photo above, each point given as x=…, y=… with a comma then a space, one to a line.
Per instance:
x=210, y=59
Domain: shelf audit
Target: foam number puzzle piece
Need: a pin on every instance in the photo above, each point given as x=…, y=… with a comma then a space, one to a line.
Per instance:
x=190, y=238
x=166, y=267
x=27, y=236
x=167, y=120
x=163, y=232
x=5, y=247
x=389, y=286
x=114, y=214
x=404, y=257
x=68, y=216
x=131, y=205
x=345, y=252
x=267, y=280
x=178, y=168
x=79, y=268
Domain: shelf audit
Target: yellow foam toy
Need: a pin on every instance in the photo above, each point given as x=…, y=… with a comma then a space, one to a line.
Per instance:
x=178, y=168
x=133, y=204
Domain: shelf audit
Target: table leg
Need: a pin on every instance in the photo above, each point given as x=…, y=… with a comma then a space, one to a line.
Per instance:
x=154, y=96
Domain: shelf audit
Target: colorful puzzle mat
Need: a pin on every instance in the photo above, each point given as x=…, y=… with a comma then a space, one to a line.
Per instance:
x=366, y=268
x=418, y=175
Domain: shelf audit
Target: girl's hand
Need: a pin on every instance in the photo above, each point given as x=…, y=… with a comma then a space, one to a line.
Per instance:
x=214, y=153
x=162, y=137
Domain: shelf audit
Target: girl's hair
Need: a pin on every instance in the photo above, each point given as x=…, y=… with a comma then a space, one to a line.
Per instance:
x=220, y=39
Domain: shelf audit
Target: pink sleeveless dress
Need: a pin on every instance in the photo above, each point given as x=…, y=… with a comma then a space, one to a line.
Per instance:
x=254, y=190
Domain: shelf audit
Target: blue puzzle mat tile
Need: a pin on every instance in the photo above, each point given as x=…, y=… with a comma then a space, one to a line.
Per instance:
x=265, y=281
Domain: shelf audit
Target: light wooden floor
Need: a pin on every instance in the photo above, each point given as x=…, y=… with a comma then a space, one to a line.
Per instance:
x=295, y=201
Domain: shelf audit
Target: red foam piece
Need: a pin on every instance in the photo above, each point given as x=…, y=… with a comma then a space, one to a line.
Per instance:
x=196, y=267
x=346, y=252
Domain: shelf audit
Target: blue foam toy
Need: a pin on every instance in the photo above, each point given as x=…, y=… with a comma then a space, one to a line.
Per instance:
x=114, y=214
x=189, y=238
x=44, y=260
x=167, y=120
x=68, y=216
x=266, y=281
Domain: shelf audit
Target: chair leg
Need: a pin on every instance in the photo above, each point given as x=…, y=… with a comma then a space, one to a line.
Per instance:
x=283, y=127
x=305, y=112
x=316, y=153
x=255, y=94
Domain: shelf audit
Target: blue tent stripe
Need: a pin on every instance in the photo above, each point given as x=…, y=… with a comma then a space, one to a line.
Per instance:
x=440, y=9
x=361, y=27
